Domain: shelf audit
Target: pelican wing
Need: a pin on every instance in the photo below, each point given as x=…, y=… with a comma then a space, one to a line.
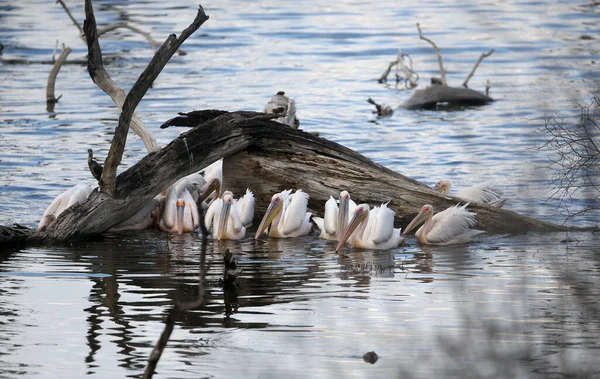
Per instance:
x=245, y=207
x=481, y=193
x=331, y=215
x=79, y=193
x=451, y=223
x=383, y=226
x=295, y=212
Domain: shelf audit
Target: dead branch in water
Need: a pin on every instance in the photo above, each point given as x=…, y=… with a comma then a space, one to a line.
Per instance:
x=437, y=52
x=139, y=89
x=410, y=76
x=481, y=57
x=178, y=308
x=50, y=98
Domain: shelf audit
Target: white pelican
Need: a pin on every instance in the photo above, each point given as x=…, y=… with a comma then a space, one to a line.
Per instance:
x=336, y=219
x=63, y=201
x=287, y=216
x=481, y=193
x=372, y=229
x=447, y=227
x=180, y=212
x=228, y=217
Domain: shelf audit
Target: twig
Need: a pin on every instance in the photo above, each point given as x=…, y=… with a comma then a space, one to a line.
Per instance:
x=178, y=309
x=70, y=16
x=437, y=51
x=151, y=41
x=483, y=55
x=50, y=99
x=137, y=92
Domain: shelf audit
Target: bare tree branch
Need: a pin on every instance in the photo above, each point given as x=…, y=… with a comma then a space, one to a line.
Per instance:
x=135, y=95
x=438, y=53
x=50, y=99
x=575, y=160
x=481, y=57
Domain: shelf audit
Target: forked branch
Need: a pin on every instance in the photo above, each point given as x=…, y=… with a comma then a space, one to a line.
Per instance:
x=137, y=92
x=437, y=52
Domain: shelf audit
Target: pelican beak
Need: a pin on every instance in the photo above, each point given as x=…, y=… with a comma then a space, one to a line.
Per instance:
x=272, y=212
x=421, y=217
x=223, y=218
x=180, y=208
x=438, y=187
x=354, y=223
x=213, y=186
x=343, y=216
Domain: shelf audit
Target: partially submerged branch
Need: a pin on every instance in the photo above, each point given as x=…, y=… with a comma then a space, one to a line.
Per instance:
x=481, y=57
x=50, y=98
x=410, y=76
x=437, y=52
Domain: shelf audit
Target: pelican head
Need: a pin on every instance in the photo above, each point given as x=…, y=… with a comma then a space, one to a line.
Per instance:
x=343, y=212
x=442, y=186
x=360, y=215
x=213, y=186
x=180, y=207
x=224, y=217
x=425, y=214
x=272, y=211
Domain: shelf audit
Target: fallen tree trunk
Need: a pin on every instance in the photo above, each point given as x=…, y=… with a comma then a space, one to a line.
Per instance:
x=268, y=157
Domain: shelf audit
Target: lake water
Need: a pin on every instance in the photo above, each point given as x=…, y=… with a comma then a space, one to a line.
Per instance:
x=505, y=306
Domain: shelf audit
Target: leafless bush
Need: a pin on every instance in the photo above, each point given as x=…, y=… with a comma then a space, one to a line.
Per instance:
x=575, y=160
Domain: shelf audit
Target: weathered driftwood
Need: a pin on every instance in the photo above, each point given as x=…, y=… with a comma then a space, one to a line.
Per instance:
x=435, y=94
x=268, y=157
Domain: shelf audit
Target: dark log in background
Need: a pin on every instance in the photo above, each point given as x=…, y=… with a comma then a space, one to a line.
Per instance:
x=429, y=97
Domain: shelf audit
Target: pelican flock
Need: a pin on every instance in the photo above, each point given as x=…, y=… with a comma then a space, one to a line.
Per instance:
x=178, y=209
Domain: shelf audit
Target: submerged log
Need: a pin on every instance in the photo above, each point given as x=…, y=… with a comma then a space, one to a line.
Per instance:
x=268, y=157
x=430, y=97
